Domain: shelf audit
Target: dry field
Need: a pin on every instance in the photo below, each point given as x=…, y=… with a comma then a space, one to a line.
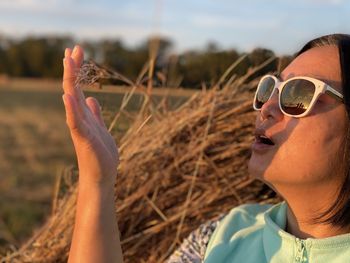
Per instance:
x=177, y=168
x=35, y=147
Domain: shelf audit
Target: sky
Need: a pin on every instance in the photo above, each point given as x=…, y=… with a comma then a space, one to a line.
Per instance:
x=280, y=25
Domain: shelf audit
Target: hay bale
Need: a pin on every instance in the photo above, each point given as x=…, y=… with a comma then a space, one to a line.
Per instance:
x=180, y=169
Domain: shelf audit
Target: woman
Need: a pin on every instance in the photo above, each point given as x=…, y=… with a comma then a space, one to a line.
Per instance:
x=301, y=151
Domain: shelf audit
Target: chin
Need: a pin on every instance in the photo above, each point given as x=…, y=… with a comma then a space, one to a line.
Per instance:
x=258, y=171
x=254, y=171
x=257, y=165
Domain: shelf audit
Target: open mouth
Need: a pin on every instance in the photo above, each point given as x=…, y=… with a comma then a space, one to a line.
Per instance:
x=264, y=140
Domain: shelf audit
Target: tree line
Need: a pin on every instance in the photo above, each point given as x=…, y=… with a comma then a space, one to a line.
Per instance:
x=41, y=57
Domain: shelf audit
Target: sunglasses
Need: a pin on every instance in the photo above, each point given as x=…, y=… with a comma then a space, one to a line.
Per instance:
x=297, y=95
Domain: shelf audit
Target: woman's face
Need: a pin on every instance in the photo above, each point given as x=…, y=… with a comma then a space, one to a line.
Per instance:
x=306, y=150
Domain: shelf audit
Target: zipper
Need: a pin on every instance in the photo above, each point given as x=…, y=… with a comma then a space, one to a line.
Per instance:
x=301, y=251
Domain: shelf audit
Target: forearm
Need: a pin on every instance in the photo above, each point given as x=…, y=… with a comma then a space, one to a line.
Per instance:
x=96, y=235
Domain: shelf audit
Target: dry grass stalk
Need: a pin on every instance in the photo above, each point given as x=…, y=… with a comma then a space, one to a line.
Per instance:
x=175, y=173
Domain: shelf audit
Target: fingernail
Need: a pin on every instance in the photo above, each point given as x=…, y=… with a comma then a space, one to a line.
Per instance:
x=75, y=49
x=64, y=62
x=64, y=100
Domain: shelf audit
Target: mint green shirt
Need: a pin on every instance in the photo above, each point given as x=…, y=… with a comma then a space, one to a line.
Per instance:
x=255, y=233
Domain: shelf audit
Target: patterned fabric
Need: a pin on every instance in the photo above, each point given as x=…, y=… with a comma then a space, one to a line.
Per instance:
x=192, y=249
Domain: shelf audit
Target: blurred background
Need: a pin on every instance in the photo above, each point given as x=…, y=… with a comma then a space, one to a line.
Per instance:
x=198, y=41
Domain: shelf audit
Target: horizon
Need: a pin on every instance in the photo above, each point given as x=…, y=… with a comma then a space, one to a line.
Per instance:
x=282, y=27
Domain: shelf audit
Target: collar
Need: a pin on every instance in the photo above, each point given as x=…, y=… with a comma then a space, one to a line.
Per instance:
x=279, y=245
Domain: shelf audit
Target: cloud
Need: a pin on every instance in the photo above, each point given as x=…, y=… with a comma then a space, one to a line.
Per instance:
x=242, y=24
x=210, y=21
x=73, y=11
x=30, y=6
x=129, y=33
x=326, y=2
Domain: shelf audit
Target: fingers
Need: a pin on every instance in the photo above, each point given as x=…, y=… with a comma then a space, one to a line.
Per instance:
x=69, y=75
x=78, y=56
x=75, y=124
x=67, y=52
x=70, y=61
x=96, y=110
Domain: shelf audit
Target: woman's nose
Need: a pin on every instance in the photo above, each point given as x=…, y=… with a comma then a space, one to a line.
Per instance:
x=271, y=108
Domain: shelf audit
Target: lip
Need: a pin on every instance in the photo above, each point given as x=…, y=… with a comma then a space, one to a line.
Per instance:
x=259, y=147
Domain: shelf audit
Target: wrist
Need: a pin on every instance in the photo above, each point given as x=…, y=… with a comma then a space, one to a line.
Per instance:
x=101, y=189
x=97, y=179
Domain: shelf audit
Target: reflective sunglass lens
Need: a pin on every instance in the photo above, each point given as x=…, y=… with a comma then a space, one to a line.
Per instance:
x=264, y=91
x=296, y=96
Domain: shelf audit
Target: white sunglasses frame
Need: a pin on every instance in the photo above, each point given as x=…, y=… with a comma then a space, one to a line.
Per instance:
x=320, y=88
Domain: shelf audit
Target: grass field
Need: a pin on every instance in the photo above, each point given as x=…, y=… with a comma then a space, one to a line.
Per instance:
x=35, y=146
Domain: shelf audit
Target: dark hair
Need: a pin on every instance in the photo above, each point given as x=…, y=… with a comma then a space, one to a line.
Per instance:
x=339, y=213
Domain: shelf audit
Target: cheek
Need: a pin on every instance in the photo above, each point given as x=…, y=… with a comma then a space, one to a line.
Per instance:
x=309, y=149
x=312, y=149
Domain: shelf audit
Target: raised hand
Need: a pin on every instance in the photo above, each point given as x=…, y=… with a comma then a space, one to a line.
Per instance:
x=96, y=150
x=96, y=236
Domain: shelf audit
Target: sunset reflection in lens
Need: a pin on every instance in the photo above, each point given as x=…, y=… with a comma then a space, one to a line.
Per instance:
x=264, y=91
x=296, y=96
